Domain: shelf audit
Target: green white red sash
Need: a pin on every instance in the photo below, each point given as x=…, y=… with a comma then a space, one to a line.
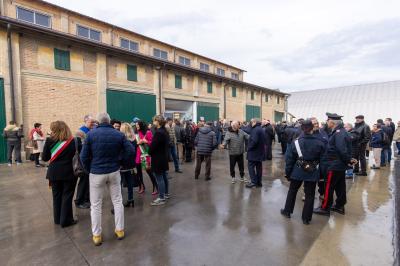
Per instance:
x=59, y=148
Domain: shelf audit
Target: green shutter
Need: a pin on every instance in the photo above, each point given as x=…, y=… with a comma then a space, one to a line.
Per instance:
x=62, y=59
x=178, y=82
x=266, y=98
x=252, y=95
x=278, y=117
x=132, y=72
x=3, y=146
x=209, y=87
x=209, y=111
x=233, y=91
x=125, y=106
x=252, y=112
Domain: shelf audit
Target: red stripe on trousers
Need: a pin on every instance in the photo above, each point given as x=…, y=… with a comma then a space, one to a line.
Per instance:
x=328, y=184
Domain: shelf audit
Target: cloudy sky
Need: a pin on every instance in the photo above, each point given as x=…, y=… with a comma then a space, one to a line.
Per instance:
x=287, y=44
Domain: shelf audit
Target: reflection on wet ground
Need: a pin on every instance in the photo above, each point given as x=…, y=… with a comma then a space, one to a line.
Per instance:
x=204, y=223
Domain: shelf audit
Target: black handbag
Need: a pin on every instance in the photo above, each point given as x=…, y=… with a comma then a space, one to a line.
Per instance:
x=77, y=166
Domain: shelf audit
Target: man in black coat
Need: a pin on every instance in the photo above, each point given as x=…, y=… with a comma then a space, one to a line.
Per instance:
x=269, y=137
x=365, y=135
x=282, y=136
x=339, y=159
x=255, y=152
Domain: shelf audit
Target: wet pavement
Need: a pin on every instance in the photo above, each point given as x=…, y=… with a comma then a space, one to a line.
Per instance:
x=204, y=223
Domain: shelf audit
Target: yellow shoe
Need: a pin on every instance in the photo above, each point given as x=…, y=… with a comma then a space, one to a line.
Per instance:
x=97, y=240
x=120, y=234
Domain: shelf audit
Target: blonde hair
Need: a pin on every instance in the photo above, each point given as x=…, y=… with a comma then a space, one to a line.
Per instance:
x=60, y=131
x=127, y=129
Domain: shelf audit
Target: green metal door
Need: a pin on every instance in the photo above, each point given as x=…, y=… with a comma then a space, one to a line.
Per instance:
x=3, y=146
x=210, y=111
x=125, y=106
x=278, y=116
x=252, y=112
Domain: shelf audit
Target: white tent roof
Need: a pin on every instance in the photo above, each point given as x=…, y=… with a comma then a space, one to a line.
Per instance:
x=374, y=101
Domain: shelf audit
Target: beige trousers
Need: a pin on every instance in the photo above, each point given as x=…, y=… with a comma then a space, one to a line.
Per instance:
x=97, y=185
x=377, y=156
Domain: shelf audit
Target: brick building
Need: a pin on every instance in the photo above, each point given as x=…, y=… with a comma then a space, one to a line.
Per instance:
x=65, y=65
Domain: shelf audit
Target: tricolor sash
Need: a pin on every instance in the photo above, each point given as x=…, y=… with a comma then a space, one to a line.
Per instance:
x=58, y=148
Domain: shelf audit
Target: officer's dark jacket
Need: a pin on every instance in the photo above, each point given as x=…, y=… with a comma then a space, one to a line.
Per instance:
x=312, y=149
x=339, y=149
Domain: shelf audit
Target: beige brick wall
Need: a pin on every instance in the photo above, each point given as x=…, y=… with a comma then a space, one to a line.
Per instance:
x=37, y=56
x=117, y=75
x=46, y=100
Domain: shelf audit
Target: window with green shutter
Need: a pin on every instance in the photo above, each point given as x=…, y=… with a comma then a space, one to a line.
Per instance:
x=252, y=95
x=132, y=72
x=209, y=87
x=233, y=91
x=178, y=82
x=62, y=59
x=266, y=98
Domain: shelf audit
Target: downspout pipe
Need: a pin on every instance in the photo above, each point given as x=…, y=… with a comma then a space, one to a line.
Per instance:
x=225, y=100
x=160, y=76
x=11, y=72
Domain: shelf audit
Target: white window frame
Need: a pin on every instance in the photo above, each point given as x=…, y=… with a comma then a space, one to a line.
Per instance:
x=154, y=48
x=90, y=29
x=220, y=70
x=120, y=44
x=185, y=60
x=234, y=75
x=34, y=16
x=208, y=66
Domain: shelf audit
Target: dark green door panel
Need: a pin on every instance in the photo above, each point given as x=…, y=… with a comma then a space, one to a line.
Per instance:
x=278, y=116
x=252, y=112
x=125, y=106
x=209, y=111
x=3, y=146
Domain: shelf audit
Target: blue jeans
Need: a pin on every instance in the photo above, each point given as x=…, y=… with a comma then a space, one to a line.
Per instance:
x=349, y=172
x=162, y=183
x=386, y=155
x=172, y=150
x=398, y=147
x=255, y=172
x=128, y=177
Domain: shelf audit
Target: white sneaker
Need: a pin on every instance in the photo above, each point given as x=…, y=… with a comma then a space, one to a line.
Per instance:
x=233, y=180
x=158, y=202
x=167, y=196
x=246, y=180
x=242, y=179
x=9, y=164
x=18, y=164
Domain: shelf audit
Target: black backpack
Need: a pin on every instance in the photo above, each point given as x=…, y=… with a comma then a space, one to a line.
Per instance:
x=385, y=138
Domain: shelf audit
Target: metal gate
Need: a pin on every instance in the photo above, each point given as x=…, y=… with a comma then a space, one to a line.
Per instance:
x=125, y=106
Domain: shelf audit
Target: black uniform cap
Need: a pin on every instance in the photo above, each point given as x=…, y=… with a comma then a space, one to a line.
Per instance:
x=334, y=116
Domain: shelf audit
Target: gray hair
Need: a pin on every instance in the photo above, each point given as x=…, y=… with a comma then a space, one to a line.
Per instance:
x=103, y=118
x=87, y=117
x=337, y=122
x=256, y=120
x=350, y=125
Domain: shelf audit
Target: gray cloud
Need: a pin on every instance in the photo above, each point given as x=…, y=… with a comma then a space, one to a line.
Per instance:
x=363, y=45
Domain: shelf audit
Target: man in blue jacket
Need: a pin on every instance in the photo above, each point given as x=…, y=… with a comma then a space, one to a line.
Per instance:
x=102, y=154
x=339, y=159
x=255, y=152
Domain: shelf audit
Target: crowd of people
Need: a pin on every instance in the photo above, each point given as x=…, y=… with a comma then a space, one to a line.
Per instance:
x=105, y=152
